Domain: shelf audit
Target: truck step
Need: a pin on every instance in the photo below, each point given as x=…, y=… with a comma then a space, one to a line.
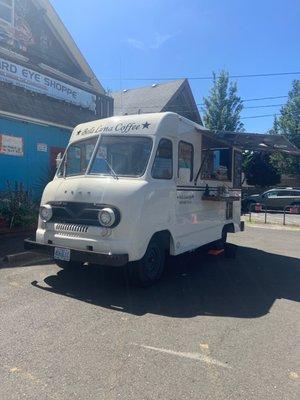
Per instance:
x=215, y=252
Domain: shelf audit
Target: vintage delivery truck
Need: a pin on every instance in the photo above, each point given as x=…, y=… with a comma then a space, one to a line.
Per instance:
x=129, y=190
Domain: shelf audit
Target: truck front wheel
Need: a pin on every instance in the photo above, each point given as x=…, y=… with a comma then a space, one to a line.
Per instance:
x=149, y=269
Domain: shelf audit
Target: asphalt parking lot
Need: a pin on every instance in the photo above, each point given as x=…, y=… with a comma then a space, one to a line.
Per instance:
x=213, y=328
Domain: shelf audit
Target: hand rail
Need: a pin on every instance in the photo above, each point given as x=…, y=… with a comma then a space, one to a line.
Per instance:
x=258, y=207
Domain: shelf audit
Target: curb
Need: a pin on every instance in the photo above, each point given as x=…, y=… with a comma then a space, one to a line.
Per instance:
x=22, y=259
x=278, y=227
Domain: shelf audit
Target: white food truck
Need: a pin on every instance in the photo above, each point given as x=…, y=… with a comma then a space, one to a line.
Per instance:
x=130, y=190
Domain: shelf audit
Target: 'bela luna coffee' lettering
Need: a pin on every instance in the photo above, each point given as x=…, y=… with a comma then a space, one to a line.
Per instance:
x=120, y=128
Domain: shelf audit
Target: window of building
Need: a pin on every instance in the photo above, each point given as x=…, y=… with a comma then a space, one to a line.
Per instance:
x=185, y=161
x=163, y=162
x=7, y=11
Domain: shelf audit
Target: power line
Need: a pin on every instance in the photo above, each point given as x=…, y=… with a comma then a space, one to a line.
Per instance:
x=265, y=106
x=261, y=106
x=261, y=116
x=265, y=98
x=182, y=108
x=256, y=99
x=205, y=77
x=202, y=104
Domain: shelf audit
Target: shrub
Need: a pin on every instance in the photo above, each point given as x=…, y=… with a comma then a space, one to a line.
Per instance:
x=16, y=206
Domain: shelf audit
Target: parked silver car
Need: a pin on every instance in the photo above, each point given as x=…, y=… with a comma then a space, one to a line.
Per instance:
x=274, y=199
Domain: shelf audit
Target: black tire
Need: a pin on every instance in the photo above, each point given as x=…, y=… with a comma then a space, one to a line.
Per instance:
x=230, y=250
x=221, y=243
x=68, y=265
x=149, y=269
x=248, y=206
x=224, y=237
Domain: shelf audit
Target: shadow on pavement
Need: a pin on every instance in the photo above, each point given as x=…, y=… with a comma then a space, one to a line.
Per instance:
x=245, y=287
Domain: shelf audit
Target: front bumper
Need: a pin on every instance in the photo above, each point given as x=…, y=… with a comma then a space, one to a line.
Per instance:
x=116, y=260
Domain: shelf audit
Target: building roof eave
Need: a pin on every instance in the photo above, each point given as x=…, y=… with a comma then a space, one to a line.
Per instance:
x=32, y=120
x=68, y=42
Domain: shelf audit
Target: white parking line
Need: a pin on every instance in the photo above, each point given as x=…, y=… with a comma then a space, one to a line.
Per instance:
x=192, y=356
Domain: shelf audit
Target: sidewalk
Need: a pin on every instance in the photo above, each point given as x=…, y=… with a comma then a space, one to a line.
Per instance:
x=12, y=243
x=291, y=221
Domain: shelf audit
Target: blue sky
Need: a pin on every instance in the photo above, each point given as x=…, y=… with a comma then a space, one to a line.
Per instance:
x=170, y=38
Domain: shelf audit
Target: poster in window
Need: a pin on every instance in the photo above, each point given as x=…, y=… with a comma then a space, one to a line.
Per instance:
x=11, y=145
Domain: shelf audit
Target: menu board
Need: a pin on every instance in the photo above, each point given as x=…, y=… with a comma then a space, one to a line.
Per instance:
x=237, y=170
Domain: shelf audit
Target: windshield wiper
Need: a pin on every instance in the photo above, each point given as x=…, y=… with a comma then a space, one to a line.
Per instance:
x=110, y=168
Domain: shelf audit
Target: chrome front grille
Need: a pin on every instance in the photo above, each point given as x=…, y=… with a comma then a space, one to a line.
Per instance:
x=71, y=228
x=76, y=213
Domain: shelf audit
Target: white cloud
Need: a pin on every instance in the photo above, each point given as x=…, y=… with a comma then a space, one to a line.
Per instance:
x=158, y=41
x=161, y=39
x=138, y=44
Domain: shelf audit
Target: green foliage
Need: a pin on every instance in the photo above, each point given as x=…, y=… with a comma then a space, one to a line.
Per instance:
x=16, y=207
x=259, y=171
x=223, y=106
x=285, y=164
x=288, y=124
x=275, y=129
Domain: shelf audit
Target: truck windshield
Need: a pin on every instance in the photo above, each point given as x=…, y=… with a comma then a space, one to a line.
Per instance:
x=116, y=155
x=77, y=157
x=125, y=155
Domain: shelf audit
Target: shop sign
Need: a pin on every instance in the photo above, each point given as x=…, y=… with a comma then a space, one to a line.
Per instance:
x=36, y=82
x=11, y=145
x=42, y=147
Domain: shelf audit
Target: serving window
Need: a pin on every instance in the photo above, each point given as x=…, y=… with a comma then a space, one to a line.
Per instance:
x=217, y=164
x=216, y=160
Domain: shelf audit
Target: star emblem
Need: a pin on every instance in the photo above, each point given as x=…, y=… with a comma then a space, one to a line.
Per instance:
x=146, y=125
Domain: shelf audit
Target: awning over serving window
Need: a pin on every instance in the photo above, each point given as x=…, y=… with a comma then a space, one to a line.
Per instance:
x=259, y=142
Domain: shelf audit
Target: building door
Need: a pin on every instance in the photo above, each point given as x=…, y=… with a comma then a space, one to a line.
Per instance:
x=54, y=151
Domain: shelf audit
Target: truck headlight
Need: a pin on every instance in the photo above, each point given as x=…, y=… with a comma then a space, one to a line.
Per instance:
x=46, y=212
x=106, y=217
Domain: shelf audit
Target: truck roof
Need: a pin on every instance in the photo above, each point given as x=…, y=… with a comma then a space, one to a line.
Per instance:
x=130, y=124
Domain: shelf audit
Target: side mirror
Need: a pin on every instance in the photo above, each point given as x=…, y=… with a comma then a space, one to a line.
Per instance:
x=58, y=160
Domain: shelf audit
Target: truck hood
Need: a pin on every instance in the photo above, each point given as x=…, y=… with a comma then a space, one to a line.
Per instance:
x=92, y=189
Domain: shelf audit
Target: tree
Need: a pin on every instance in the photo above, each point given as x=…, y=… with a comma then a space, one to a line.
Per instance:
x=259, y=171
x=288, y=124
x=275, y=129
x=223, y=106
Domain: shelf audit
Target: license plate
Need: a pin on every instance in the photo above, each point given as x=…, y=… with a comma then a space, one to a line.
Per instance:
x=62, y=254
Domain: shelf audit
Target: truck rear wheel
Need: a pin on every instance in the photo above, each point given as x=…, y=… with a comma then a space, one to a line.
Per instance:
x=68, y=265
x=149, y=269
